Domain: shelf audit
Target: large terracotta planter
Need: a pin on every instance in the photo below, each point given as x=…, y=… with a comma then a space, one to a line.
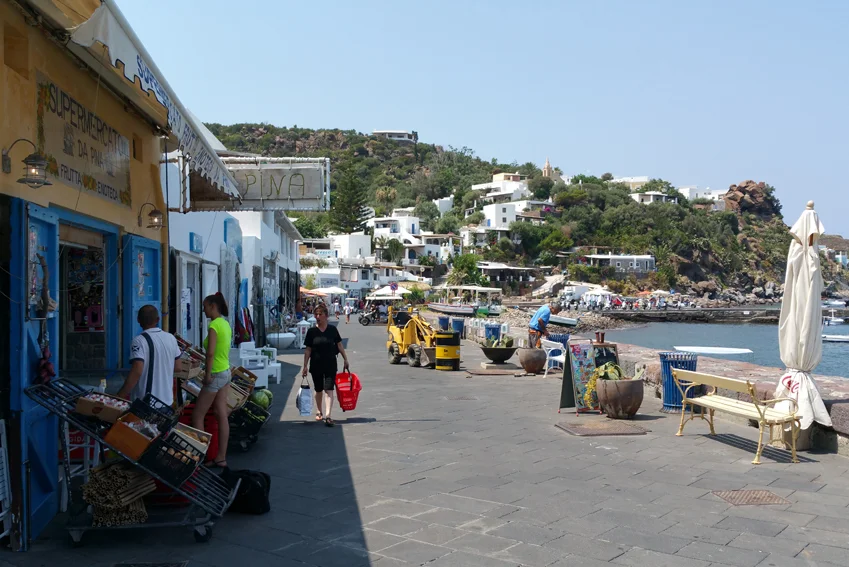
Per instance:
x=620, y=399
x=532, y=360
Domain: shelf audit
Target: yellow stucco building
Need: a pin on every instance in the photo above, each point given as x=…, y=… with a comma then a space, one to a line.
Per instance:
x=77, y=256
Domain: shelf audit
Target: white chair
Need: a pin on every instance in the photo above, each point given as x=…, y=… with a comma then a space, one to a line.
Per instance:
x=548, y=347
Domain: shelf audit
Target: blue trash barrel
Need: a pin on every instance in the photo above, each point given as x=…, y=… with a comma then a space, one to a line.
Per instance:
x=458, y=325
x=492, y=331
x=671, y=394
x=442, y=320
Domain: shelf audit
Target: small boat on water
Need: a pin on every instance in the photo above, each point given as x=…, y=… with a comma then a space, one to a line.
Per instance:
x=835, y=338
x=562, y=321
x=461, y=309
x=833, y=319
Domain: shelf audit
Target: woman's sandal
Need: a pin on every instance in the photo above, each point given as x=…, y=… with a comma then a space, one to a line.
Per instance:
x=319, y=417
x=329, y=422
x=219, y=464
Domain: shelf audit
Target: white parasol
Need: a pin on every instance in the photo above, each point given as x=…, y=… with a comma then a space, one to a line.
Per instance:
x=799, y=327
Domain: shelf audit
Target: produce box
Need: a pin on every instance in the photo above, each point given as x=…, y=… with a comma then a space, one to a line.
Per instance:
x=243, y=374
x=192, y=386
x=102, y=406
x=173, y=458
x=187, y=367
x=195, y=437
x=236, y=397
x=128, y=440
x=243, y=378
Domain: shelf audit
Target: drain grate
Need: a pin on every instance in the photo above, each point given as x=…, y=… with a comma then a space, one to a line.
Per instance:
x=597, y=428
x=750, y=497
x=461, y=398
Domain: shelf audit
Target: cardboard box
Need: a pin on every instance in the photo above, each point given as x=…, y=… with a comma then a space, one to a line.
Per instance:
x=126, y=439
x=101, y=411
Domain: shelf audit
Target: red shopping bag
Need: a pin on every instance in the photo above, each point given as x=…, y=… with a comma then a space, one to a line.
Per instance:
x=348, y=390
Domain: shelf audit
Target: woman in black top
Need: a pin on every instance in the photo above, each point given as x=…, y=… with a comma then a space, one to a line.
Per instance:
x=323, y=343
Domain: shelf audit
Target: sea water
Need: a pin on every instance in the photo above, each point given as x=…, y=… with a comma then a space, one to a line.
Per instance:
x=762, y=339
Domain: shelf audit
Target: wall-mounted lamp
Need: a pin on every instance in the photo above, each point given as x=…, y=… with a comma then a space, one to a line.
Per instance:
x=155, y=218
x=35, y=166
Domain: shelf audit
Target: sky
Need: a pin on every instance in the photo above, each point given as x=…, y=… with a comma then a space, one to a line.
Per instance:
x=697, y=93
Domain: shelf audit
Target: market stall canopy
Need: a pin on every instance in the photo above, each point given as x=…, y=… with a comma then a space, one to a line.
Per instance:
x=386, y=292
x=332, y=290
x=106, y=42
x=799, y=325
x=660, y=292
x=311, y=292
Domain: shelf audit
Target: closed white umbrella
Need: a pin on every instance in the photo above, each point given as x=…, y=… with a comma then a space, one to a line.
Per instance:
x=800, y=324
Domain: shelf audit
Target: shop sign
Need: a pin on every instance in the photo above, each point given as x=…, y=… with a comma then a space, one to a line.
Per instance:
x=280, y=186
x=82, y=149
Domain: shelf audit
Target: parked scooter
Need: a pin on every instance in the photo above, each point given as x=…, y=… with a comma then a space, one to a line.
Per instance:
x=368, y=318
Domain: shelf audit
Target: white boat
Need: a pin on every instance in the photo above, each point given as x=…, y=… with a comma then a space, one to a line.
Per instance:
x=562, y=321
x=461, y=309
x=835, y=338
x=832, y=319
x=713, y=350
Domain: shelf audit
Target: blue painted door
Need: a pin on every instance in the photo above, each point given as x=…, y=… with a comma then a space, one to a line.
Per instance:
x=35, y=232
x=142, y=277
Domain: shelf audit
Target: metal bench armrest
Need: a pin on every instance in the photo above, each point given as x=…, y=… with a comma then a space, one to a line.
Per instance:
x=783, y=399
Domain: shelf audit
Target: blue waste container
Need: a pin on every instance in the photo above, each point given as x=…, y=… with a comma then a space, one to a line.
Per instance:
x=458, y=325
x=442, y=320
x=492, y=331
x=671, y=394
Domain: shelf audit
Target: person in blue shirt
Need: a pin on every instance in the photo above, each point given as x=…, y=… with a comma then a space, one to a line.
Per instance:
x=538, y=326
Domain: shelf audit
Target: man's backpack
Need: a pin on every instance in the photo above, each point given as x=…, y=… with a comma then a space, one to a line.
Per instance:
x=252, y=497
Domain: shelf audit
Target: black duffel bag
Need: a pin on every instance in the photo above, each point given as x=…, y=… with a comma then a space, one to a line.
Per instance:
x=252, y=497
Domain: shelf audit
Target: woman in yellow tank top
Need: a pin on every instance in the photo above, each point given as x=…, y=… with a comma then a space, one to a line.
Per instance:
x=216, y=380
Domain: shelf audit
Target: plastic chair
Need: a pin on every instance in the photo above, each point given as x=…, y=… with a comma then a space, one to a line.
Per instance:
x=549, y=347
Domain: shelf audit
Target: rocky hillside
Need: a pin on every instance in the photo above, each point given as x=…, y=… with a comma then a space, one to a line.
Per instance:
x=731, y=255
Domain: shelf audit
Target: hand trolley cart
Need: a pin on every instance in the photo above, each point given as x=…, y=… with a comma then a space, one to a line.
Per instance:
x=205, y=495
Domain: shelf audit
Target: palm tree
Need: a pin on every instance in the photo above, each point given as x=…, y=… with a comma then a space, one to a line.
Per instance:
x=395, y=250
x=380, y=243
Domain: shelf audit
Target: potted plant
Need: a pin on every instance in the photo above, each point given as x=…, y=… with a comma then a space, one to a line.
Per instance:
x=620, y=397
x=499, y=351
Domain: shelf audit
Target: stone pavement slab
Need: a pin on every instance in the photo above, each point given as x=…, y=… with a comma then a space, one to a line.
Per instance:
x=415, y=476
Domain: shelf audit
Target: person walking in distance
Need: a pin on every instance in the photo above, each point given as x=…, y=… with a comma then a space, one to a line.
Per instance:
x=348, y=308
x=323, y=343
x=216, y=380
x=538, y=327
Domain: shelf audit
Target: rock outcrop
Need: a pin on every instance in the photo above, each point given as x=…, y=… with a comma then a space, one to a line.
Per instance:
x=753, y=198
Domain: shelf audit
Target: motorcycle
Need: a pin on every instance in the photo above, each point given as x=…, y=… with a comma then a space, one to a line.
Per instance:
x=367, y=319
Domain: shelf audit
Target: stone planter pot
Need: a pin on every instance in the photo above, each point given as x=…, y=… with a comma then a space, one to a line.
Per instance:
x=498, y=355
x=532, y=360
x=620, y=399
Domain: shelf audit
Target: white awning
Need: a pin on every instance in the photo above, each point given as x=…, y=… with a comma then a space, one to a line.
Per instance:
x=107, y=28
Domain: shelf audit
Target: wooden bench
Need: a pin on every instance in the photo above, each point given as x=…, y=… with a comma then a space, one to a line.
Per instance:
x=761, y=411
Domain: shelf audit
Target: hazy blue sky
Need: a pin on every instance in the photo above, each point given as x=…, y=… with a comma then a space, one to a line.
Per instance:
x=699, y=93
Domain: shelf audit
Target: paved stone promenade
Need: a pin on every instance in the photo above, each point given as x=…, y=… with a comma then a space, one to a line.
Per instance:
x=439, y=469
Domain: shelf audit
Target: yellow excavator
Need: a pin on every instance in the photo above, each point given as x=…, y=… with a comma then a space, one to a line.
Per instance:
x=412, y=337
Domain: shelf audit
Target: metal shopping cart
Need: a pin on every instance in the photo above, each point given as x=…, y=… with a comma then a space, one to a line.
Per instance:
x=204, y=495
